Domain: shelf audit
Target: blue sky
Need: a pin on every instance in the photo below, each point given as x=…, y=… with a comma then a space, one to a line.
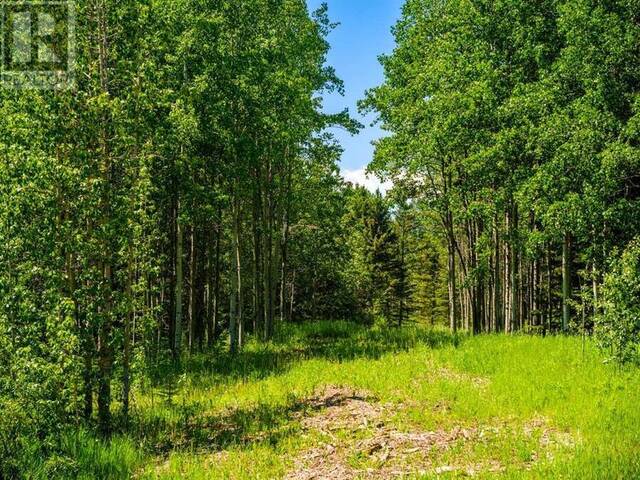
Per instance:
x=363, y=34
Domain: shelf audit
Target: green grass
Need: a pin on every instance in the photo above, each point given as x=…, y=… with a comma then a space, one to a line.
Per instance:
x=239, y=418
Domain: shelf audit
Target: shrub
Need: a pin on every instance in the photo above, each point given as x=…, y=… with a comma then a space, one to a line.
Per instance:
x=618, y=327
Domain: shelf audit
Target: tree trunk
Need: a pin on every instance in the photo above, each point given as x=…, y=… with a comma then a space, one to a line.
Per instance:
x=199, y=289
x=268, y=259
x=594, y=287
x=177, y=341
x=284, y=243
x=498, y=311
x=172, y=272
x=283, y=265
x=453, y=294
x=549, y=309
x=210, y=246
x=566, y=282
x=292, y=298
x=126, y=359
x=513, y=269
x=105, y=362
x=258, y=291
x=105, y=354
x=236, y=286
x=216, y=283
x=192, y=287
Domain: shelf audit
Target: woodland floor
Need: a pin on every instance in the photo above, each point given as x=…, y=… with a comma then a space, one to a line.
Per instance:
x=336, y=401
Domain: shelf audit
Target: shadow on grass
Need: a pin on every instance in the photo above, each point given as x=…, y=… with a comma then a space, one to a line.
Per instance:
x=335, y=341
x=170, y=426
x=192, y=429
x=200, y=432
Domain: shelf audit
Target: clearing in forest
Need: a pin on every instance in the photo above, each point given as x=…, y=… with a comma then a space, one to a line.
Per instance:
x=360, y=403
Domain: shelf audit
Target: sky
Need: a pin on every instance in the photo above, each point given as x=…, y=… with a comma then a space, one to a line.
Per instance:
x=363, y=34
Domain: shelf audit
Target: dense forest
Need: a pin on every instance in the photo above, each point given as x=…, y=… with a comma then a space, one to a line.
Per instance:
x=184, y=198
x=516, y=125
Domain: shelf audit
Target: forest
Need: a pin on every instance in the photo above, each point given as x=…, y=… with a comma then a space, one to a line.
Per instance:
x=189, y=288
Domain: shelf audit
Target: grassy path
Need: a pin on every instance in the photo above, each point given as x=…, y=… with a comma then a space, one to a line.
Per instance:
x=332, y=400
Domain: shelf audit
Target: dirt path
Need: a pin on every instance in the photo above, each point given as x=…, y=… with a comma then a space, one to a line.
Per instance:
x=359, y=442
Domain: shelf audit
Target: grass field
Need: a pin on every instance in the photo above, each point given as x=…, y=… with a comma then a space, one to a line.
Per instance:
x=334, y=400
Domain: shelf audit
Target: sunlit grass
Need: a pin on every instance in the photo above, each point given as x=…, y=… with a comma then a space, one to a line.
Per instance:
x=220, y=417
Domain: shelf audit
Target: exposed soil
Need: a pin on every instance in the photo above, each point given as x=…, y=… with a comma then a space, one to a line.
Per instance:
x=358, y=443
x=342, y=408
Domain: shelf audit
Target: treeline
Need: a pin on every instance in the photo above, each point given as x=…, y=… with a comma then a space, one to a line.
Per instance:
x=515, y=123
x=181, y=191
x=183, y=196
x=396, y=266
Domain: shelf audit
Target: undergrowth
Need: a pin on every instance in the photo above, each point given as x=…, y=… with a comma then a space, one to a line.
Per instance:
x=217, y=416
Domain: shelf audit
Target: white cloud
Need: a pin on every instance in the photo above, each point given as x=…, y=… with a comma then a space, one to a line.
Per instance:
x=370, y=182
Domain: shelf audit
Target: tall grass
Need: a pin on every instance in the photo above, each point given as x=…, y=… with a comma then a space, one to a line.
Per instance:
x=217, y=416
